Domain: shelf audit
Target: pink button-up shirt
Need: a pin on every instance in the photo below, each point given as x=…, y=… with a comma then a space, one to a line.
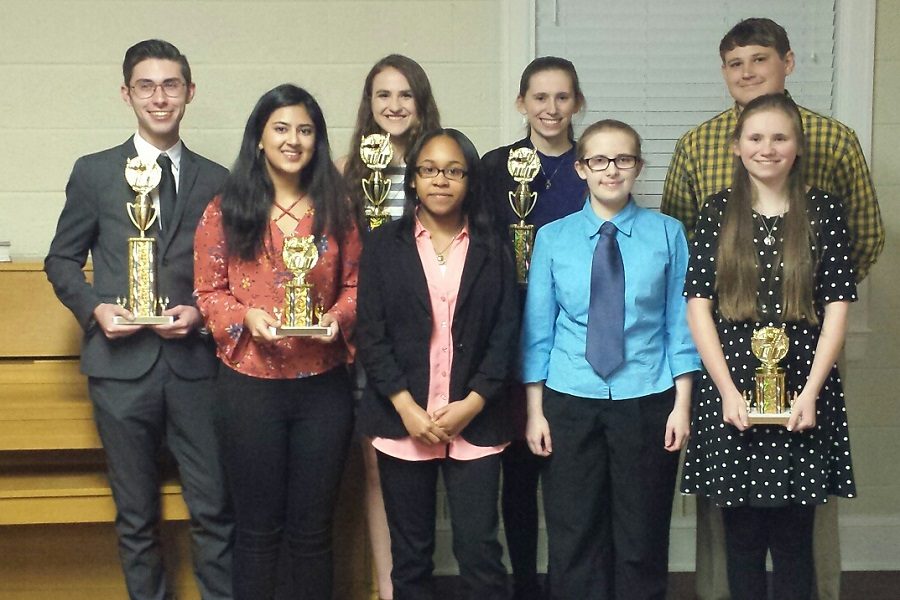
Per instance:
x=443, y=286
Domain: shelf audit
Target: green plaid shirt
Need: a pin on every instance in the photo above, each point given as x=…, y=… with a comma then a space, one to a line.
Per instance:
x=703, y=162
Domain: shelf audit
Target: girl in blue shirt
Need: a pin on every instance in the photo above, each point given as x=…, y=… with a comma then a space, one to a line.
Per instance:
x=611, y=439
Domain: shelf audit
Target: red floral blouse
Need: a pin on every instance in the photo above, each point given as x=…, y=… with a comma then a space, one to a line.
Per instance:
x=226, y=288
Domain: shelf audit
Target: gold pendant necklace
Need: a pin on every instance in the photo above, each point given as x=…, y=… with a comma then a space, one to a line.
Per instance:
x=443, y=254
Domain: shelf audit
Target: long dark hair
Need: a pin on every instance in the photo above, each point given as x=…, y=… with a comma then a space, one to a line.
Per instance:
x=427, y=118
x=248, y=192
x=552, y=63
x=474, y=206
x=737, y=271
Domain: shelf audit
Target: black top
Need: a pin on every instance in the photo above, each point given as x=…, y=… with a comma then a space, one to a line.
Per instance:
x=394, y=327
x=565, y=195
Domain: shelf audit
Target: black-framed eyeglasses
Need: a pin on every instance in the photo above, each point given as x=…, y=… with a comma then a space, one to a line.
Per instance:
x=451, y=173
x=601, y=163
x=145, y=88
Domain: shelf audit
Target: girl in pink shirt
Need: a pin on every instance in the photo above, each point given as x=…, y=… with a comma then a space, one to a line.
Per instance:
x=437, y=327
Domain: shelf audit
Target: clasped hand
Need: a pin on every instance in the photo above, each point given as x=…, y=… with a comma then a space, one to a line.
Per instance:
x=443, y=425
x=187, y=318
x=261, y=324
x=803, y=411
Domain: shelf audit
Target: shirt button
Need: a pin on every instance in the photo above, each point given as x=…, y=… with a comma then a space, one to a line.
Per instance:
x=444, y=349
x=443, y=298
x=443, y=373
x=443, y=323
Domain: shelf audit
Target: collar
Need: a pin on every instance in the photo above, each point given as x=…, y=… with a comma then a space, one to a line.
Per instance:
x=419, y=229
x=149, y=153
x=736, y=110
x=527, y=143
x=623, y=220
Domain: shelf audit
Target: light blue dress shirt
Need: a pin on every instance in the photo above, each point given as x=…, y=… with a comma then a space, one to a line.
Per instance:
x=658, y=345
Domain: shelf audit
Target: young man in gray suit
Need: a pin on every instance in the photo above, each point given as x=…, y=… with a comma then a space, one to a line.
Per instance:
x=152, y=383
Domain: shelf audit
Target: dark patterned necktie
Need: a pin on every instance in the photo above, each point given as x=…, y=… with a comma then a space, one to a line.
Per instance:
x=166, y=192
x=605, y=348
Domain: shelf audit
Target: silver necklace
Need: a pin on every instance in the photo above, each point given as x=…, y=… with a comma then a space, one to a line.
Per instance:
x=769, y=240
x=547, y=179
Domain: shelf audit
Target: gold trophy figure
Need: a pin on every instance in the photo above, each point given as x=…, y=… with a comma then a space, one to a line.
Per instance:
x=143, y=299
x=376, y=152
x=769, y=404
x=524, y=165
x=300, y=256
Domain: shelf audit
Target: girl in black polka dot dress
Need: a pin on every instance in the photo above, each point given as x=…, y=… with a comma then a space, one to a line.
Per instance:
x=769, y=251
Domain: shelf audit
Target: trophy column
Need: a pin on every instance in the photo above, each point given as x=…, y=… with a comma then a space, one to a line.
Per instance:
x=299, y=315
x=769, y=404
x=376, y=153
x=143, y=299
x=523, y=165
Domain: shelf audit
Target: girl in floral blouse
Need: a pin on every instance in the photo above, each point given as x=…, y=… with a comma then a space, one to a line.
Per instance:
x=285, y=402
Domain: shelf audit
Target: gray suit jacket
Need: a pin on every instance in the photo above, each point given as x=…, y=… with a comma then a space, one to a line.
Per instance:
x=95, y=219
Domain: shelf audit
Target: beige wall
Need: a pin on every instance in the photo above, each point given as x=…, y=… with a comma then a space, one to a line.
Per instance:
x=60, y=65
x=60, y=62
x=871, y=523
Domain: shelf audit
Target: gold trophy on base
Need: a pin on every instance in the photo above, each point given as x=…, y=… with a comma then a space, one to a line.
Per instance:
x=376, y=152
x=143, y=299
x=769, y=405
x=524, y=165
x=299, y=313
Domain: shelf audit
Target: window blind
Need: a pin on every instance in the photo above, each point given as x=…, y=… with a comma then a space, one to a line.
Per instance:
x=654, y=64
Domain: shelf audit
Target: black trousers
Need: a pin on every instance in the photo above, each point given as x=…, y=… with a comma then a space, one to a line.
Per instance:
x=134, y=418
x=409, y=489
x=284, y=445
x=608, y=490
x=786, y=532
x=521, y=474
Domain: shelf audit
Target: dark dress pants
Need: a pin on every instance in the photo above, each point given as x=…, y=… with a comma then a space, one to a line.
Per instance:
x=521, y=475
x=284, y=445
x=786, y=532
x=608, y=490
x=133, y=418
x=410, y=496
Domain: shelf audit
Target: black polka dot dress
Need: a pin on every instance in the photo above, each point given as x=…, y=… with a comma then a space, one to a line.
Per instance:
x=766, y=465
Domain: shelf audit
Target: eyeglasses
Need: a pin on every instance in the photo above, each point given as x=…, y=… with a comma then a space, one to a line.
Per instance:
x=451, y=173
x=145, y=88
x=601, y=163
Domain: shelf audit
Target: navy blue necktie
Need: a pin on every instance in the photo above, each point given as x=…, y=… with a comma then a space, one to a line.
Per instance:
x=605, y=349
x=166, y=191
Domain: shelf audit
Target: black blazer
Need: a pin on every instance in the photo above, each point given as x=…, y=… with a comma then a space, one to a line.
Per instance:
x=394, y=325
x=94, y=219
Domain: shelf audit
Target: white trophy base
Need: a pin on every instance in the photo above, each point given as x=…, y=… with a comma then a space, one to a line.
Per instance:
x=154, y=320
x=769, y=418
x=300, y=331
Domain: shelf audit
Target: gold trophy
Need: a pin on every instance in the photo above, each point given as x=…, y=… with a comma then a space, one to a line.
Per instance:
x=376, y=152
x=143, y=300
x=769, y=405
x=524, y=165
x=300, y=256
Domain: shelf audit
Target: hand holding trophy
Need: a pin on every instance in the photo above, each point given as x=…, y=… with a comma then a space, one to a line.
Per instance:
x=299, y=313
x=769, y=405
x=523, y=165
x=143, y=300
x=376, y=152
